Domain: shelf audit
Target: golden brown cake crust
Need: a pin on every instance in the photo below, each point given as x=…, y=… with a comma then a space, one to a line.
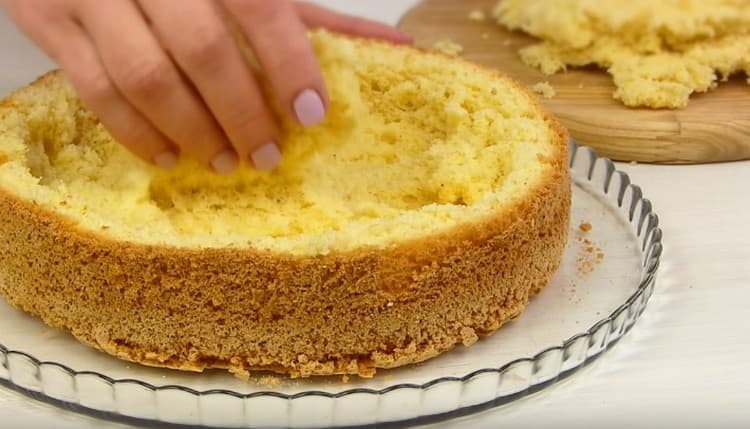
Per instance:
x=244, y=310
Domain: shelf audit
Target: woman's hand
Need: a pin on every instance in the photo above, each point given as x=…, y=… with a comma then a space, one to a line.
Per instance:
x=166, y=77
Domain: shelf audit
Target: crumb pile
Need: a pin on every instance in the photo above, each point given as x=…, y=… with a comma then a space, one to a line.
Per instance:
x=658, y=52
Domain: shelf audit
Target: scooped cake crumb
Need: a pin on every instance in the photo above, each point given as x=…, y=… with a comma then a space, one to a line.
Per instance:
x=658, y=53
x=448, y=47
x=544, y=89
x=477, y=16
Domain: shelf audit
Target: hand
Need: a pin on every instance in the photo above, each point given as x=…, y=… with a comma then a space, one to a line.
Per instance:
x=166, y=77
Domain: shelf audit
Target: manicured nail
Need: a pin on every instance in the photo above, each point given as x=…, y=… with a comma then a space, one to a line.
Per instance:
x=309, y=108
x=225, y=162
x=166, y=160
x=266, y=157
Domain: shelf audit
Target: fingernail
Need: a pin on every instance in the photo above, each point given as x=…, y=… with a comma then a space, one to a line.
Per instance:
x=266, y=157
x=225, y=162
x=309, y=108
x=166, y=160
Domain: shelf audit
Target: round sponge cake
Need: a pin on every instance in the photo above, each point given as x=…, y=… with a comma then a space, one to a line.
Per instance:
x=423, y=213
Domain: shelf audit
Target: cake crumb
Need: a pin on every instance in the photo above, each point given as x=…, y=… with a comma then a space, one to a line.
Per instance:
x=507, y=42
x=468, y=336
x=269, y=381
x=485, y=36
x=477, y=16
x=345, y=379
x=544, y=159
x=585, y=227
x=448, y=47
x=590, y=256
x=544, y=89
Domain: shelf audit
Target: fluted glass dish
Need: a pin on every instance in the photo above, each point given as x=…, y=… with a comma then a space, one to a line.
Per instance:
x=602, y=287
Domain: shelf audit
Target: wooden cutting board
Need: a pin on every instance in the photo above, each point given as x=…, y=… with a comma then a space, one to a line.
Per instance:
x=714, y=127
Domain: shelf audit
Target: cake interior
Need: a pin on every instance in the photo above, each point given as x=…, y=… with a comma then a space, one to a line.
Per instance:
x=413, y=144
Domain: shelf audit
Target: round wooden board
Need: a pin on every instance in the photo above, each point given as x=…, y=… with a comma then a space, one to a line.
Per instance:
x=714, y=127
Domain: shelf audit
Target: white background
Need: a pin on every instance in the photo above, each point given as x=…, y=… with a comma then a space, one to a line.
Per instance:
x=685, y=364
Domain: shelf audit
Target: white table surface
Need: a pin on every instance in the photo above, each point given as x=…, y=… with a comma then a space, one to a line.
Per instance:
x=684, y=364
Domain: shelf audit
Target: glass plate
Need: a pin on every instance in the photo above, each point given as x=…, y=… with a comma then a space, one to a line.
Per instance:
x=603, y=285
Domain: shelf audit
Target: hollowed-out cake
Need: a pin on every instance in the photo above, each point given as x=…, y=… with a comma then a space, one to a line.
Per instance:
x=423, y=213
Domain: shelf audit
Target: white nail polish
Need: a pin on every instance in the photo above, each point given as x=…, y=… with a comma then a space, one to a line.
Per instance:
x=266, y=157
x=309, y=108
x=225, y=162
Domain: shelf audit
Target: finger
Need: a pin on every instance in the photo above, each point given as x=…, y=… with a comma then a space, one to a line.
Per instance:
x=210, y=58
x=279, y=40
x=315, y=16
x=69, y=46
x=149, y=80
